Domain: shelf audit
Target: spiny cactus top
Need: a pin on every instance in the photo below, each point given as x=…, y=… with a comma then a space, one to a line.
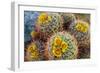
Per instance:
x=62, y=46
x=49, y=22
x=82, y=26
x=68, y=19
x=81, y=31
x=32, y=52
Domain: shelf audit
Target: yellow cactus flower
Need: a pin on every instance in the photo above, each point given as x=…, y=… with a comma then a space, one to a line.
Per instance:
x=57, y=41
x=43, y=18
x=64, y=46
x=82, y=26
x=33, y=33
x=59, y=46
x=57, y=52
x=32, y=49
x=35, y=54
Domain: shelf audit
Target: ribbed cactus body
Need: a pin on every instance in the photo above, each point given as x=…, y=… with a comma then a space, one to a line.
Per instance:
x=81, y=31
x=62, y=46
x=68, y=19
x=52, y=25
x=32, y=52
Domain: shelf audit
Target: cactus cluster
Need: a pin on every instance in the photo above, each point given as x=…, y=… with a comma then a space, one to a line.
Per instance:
x=56, y=36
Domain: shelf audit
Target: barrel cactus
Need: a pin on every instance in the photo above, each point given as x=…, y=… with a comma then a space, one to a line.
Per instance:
x=68, y=19
x=32, y=52
x=62, y=46
x=49, y=23
x=81, y=31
